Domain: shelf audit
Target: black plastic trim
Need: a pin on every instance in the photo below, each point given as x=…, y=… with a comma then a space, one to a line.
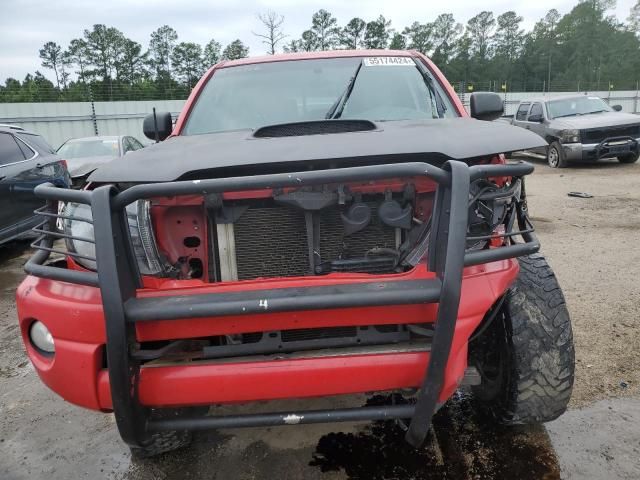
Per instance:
x=283, y=300
x=283, y=418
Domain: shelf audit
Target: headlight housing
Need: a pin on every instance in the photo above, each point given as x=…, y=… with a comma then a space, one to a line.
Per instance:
x=570, y=136
x=79, y=224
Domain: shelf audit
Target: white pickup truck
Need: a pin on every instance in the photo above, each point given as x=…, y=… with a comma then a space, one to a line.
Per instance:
x=580, y=128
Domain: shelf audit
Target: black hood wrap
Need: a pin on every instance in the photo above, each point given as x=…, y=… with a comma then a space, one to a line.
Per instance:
x=391, y=142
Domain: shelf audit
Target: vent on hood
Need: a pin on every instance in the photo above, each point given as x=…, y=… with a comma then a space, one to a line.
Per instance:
x=318, y=127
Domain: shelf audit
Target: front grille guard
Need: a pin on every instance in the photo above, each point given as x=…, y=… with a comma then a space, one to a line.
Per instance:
x=118, y=278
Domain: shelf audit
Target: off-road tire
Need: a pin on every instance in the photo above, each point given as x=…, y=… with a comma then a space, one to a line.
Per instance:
x=555, y=156
x=631, y=158
x=162, y=442
x=532, y=334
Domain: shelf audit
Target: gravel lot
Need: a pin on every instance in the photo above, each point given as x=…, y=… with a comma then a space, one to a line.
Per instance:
x=594, y=246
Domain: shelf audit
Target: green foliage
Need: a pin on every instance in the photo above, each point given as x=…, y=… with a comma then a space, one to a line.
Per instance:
x=445, y=34
x=235, y=50
x=420, y=36
x=51, y=56
x=634, y=18
x=585, y=49
x=352, y=34
x=161, y=45
x=377, y=33
x=398, y=42
x=186, y=59
x=212, y=53
x=324, y=27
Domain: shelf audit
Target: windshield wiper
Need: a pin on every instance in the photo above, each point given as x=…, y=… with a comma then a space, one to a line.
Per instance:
x=338, y=106
x=568, y=115
x=441, y=108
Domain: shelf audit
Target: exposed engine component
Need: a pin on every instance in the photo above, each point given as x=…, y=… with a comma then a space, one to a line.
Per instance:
x=356, y=218
x=392, y=213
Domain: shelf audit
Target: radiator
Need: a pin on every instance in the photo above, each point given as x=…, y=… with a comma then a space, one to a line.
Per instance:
x=271, y=241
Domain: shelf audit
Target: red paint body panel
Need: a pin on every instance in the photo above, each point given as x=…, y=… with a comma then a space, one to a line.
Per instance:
x=73, y=314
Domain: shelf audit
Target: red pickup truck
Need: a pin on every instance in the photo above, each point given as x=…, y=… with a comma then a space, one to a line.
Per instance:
x=313, y=225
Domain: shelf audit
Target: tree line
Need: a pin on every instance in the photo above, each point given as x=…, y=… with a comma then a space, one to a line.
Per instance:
x=585, y=49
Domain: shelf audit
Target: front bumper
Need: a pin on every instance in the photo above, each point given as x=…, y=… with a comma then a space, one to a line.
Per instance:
x=120, y=312
x=74, y=315
x=596, y=151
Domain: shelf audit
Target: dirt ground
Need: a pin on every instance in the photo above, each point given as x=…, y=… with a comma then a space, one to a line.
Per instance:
x=594, y=246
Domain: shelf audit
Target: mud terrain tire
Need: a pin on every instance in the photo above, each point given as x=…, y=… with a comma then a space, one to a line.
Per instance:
x=533, y=367
x=162, y=442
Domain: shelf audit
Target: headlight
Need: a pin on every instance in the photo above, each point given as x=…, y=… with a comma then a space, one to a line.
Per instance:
x=570, y=136
x=79, y=224
x=143, y=239
x=41, y=337
x=141, y=230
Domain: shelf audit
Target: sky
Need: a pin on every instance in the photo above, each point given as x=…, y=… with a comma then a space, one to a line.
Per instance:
x=25, y=25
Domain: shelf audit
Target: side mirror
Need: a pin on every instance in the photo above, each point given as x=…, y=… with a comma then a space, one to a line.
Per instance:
x=160, y=120
x=536, y=118
x=617, y=108
x=486, y=106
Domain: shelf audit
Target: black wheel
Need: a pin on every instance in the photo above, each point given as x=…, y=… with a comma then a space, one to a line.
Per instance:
x=526, y=355
x=162, y=442
x=555, y=156
x=631, y=158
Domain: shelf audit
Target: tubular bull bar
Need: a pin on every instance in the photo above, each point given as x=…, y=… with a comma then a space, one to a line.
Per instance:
x=118, y=278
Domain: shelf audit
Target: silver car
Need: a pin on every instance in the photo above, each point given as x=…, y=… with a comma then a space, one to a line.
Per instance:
x=84, y=155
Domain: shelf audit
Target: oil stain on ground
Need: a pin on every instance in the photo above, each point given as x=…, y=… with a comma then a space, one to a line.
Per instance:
x=463, y=444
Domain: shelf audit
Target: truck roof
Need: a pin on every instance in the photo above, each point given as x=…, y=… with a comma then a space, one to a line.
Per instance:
x=282, y=57
x=547, y=99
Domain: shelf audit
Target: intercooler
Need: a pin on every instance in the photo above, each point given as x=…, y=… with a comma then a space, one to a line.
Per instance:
x=271, y=241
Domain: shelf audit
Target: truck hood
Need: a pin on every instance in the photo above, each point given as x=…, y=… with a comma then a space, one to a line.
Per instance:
x=82, y=166
x=391, y=142
x=596, y=120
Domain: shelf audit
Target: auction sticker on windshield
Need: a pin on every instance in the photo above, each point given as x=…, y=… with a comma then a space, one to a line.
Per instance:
x=388, y=62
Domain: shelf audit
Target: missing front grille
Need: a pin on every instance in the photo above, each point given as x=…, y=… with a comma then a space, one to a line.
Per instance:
x=271, y=241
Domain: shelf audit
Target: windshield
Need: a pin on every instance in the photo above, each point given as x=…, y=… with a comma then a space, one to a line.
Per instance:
x=89, y=148
x=576, y=106
x=373, y=88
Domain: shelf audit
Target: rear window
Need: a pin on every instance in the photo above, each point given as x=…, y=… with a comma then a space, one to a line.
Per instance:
x=522, y=111
x=89, y=148
x=9, y=150
x=37, y=142
x=26, y=150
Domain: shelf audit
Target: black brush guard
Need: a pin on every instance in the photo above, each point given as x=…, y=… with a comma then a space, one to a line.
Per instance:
x=118, y=278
